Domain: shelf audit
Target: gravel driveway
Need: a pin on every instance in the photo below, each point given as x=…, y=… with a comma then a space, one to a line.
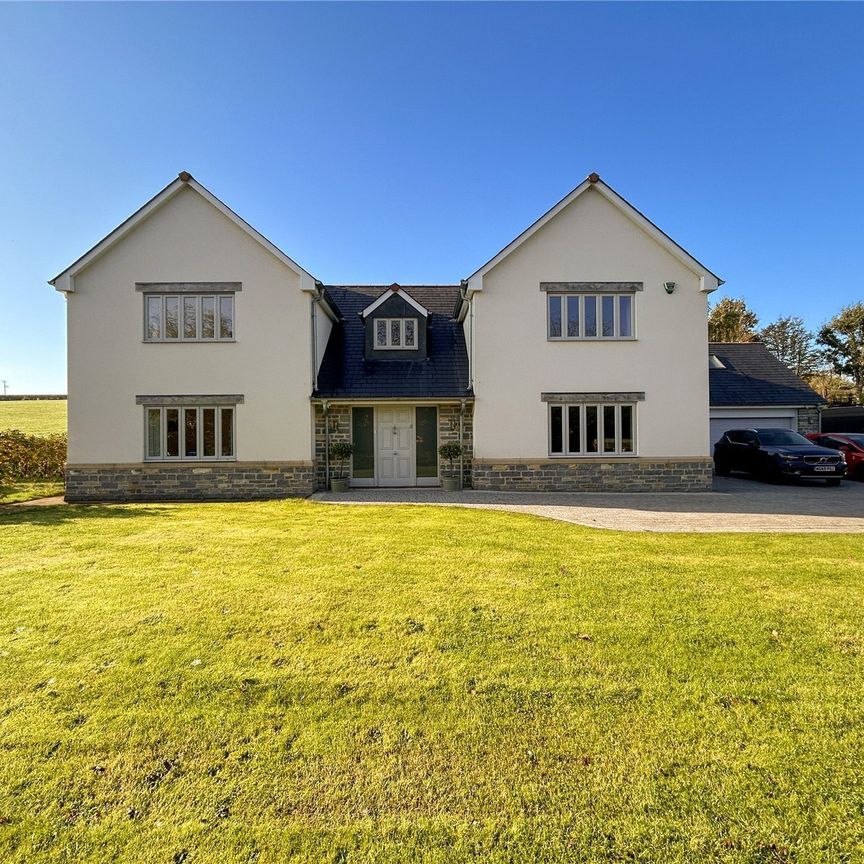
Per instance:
x=736, y=504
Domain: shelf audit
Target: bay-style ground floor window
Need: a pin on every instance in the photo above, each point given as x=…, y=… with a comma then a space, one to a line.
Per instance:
x=189, y=432
x=586, y=428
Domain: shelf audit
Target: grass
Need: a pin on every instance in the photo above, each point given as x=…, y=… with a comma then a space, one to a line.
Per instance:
x=297, y=682
x=12, y=491
x=34, y=416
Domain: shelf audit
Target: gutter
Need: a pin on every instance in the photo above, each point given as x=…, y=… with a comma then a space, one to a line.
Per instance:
x=316, y=298
x=462, y=443
x=319, y=299
x=326, y=407
x=388, y=400
x=463, y=296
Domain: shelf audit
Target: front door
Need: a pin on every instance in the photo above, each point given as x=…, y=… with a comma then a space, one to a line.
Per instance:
x=396, y=447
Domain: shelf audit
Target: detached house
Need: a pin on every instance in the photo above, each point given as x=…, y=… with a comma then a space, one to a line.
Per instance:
x=205, y=363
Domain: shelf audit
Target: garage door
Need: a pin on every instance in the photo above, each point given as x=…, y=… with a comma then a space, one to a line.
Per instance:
x=720, y=424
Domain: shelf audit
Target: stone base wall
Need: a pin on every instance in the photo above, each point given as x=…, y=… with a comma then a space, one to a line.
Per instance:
x=588, y=475
x=185, y=481
x=809, y=420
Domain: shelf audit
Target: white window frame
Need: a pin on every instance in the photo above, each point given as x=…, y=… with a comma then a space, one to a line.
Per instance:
x=199, y=321
x=566, y=453
x=181, y=438
x=598, y=299
x=389, y=346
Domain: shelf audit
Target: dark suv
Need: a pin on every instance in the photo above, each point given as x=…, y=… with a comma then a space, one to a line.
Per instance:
x=775, y=454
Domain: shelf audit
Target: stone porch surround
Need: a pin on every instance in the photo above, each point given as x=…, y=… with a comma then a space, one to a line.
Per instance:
x=448, y=418
x=589, y=475
x=189, y=481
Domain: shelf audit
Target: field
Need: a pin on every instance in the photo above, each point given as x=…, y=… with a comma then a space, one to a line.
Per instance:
x=291, y=681
x=34, y=416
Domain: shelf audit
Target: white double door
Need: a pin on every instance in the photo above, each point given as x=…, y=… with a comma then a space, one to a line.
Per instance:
x=396, y=447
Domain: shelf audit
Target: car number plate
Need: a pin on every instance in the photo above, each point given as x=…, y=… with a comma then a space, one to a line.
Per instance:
x=823, y=467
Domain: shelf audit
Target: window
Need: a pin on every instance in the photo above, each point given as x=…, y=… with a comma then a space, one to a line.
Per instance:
x=741, y=436
x=188, y=318
x=189, y=432
x=398, y=334
x=591, y=430
x=590, y=316
x=363, y=439
x=781, y=438
x=427, y=441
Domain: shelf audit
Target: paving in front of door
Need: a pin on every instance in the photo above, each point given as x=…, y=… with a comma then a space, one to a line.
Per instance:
x=736, y=504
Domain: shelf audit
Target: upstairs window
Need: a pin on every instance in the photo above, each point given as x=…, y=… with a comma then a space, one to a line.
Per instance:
x=590, y=316
x=395, y=334
x=188, y=318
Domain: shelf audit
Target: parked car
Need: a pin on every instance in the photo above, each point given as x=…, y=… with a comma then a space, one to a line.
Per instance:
x=776, y=454
x=850, y=444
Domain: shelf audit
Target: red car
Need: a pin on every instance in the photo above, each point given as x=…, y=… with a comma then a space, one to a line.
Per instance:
x=852, y=446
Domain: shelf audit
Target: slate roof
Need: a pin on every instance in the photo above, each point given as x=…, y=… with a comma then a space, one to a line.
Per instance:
x=345, y=372
x=754, y=376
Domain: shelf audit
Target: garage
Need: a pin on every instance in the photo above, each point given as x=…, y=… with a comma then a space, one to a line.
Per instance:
x=723, y=419
x=749, y=387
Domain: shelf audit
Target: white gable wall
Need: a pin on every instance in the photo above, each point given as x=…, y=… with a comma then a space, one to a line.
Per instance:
x=589, y=241
x=270, y=363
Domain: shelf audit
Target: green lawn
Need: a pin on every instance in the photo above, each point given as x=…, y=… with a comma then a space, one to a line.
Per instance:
x=34, y=416
x=291, y=681
x=26, y=490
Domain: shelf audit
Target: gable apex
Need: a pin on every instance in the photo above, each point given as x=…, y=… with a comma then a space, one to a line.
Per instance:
x=65, y=280
x=710, y=281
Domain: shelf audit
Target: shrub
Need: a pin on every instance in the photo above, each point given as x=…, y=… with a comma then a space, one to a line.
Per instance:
x=31, y=457
x=341, y=452
x=451, y=451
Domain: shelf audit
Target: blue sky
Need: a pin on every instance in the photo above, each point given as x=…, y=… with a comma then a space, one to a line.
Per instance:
x=388, y=142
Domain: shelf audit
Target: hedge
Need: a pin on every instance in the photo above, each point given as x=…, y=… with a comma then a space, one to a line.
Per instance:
x=31, y=457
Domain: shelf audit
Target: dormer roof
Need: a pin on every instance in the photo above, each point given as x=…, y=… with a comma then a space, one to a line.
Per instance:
x=393, y=290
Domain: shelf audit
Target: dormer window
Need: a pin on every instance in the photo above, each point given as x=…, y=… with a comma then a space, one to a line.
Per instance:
x=395, y=334
x=396, y=327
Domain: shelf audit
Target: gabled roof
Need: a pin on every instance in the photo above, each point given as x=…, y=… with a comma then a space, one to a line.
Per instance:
x=392, y=291
x=593, y=181
x=65, y=281
x=751, y=376
x=346, y=373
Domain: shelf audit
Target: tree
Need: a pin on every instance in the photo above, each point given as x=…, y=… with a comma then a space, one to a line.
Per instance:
x=793, y=344
x=731, y=321
x=843, y=338
x=831, y=386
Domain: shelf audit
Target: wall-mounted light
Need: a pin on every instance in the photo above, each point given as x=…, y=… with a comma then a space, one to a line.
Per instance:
x=334, y=424
x=669, y=286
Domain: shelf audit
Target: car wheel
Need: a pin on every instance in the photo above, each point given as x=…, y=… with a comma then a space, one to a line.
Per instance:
x=722, y=469
x=832, y=481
